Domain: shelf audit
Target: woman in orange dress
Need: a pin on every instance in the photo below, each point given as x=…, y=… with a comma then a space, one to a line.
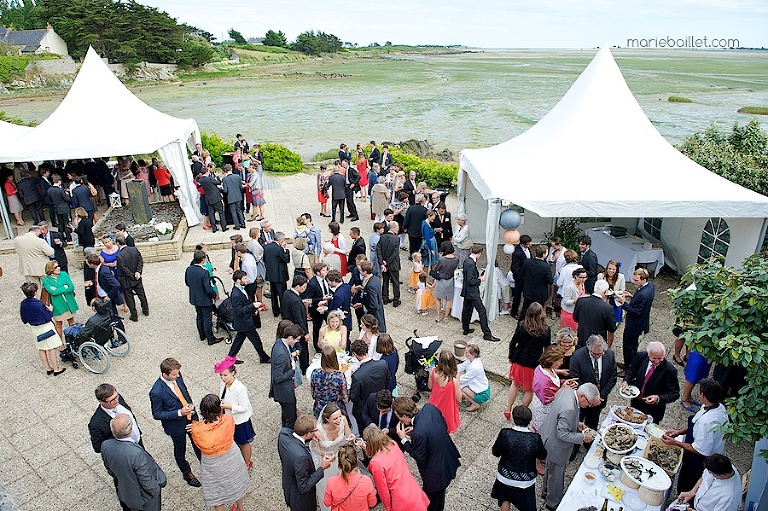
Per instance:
x=445, y=389
x=223, y=474
x=349, y=490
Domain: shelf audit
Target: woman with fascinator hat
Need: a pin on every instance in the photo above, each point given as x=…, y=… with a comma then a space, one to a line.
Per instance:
x=234, y=401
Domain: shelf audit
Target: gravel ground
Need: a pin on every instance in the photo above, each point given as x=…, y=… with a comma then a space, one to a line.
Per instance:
x=161, y=212
x=47, y=460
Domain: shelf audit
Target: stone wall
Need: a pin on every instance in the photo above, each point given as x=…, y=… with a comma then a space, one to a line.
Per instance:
x=147, y=71
x=63, y=66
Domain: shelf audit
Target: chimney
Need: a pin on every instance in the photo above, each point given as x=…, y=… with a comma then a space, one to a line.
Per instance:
x=48, y=27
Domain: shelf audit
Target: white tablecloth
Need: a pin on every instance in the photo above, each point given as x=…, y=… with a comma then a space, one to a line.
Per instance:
x=580, y=493
x=628, y=251
x=458, y=302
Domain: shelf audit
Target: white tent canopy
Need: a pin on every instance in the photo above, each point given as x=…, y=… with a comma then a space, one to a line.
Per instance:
x=11, y=132
x=595, y=154
x=100, y=117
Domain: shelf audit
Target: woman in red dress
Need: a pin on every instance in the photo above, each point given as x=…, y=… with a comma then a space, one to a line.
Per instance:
x=446, y=390
x=362, y=169
x=341, y=245
x=322, y=191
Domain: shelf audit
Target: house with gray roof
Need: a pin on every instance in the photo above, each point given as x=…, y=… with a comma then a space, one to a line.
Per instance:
x=44, y=40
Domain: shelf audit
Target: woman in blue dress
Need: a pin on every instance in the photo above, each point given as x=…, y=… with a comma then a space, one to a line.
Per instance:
x=429, y=255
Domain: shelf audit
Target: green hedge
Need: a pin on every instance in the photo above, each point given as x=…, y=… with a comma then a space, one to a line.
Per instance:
x=434, y=173
x=216, y=146
x=278, y=158
x=11, y=67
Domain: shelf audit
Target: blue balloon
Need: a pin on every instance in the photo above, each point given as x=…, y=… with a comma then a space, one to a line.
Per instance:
x=510, y=219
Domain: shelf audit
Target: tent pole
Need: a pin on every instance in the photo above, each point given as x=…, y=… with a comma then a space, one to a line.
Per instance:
x=761, y=238
x=6, y=218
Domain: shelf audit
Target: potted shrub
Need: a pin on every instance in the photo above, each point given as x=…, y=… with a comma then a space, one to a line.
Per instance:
x=164, y=231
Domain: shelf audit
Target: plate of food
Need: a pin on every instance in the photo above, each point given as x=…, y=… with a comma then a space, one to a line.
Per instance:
x=612, y=492
x=609, y=471
x=630, y=392
x=619, y=438
x=629, y=415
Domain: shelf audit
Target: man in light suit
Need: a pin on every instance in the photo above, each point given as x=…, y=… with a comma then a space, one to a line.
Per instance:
x=638, y=313
x=130, y=266
x=657, y=380
x=560, y=432
x=172, y=406
x=424, y=435
x=294, y=310
x=281, y=387
x=201, y=295
x=372, y=301
x=388, y=255
x=342, y=296
x=370, y=377
x=111, y=404
x=139, y=477
x=470, y=291
x=299, y=473
x=594, y=363
x=34, y=253
x=232, y=186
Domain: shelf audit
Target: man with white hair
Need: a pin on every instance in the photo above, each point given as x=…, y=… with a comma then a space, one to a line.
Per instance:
x=594, y=315
x=461, y=239
x=656, y=378
x=560, y=432
x=595, y=363
x=139, y=477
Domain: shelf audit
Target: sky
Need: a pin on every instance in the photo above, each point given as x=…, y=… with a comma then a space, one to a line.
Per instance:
x=487, y=23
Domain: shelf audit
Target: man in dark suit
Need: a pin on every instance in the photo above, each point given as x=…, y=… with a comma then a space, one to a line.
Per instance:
x=410, y=187
x=342, y=296
x=111, y=404
x=139, y=478
x=378, y=411
x=281, y=387
x=589, y=262
x=58, y=242
x=232, y=186
x=372, y=301
x=375, y=156
x=638, y=309
x=130, y=266
x=299, y=473
x=319, y=292
x=358, y=247
x=81, y=197
x=386, y=158
x=594, y=315
x=60, y=198
x=470, y=291
x=521, y=254
x=388, y=255
x=122, y=230
x=276, y=258
x=657, y=380
x=338, y=184
x=370, y=377
x=424, y=435
x=352, y=186
x=201, y=295
x=537, y=277
x=594, y=363
x=107, y=286
x=442, y=225
x=243, y=314
x=267, y=234
x=213, y=199
x=414, y=216
x=172, y=406
x=294, y=310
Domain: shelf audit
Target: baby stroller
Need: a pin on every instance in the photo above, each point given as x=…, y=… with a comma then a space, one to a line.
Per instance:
x=222, y=309
x=94, y=343
x=419, y=359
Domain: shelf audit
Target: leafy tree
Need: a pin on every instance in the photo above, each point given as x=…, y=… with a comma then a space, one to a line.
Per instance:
x=725, y=312
x=388, y=43
x=740, y=156
x=313, y=43
x=237, y=36
x=199, y=32
x=272, y=38
x=195, y=53
x=19, y=15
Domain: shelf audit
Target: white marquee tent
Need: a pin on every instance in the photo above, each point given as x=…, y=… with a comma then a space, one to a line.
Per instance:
x=11, y=132
x=100, y=117
x=596, y=154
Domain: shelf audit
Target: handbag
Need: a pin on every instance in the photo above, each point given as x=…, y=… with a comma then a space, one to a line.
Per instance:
x=297, y=381
x=46, y=335
x=45, y=296
x=434, y=274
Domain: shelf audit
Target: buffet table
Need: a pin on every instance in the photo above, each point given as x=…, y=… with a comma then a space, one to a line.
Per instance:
x=629, y=251
x=581, y=494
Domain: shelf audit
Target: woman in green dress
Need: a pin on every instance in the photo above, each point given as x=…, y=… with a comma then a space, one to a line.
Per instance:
x=62, y=291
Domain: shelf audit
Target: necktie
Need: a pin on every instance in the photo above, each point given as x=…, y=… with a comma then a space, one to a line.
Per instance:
x=383, y=420
x=181, y=397
x=645, y=381
x=96, y=281
x=597, y=371
x=323, y=285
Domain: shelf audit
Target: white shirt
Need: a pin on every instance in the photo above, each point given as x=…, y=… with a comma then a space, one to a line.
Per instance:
x=705, y=441
x=114, y=412
x=718, y=494
x=474, y=377
x=248, y=265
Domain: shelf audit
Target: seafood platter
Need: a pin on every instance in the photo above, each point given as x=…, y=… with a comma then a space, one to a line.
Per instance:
x=630, y=392
x=630, y=416
x=668, y=457
x=648, y=478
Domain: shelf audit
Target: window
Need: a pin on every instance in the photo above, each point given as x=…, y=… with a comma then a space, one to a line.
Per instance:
x=653, y=227
x=715, y=239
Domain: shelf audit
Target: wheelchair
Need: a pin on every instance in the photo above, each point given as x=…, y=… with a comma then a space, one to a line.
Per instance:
x=95, y=353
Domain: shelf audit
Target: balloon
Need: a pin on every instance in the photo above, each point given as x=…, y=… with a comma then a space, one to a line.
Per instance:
x=508, y=248
x=510, y=219
x=511, y=236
